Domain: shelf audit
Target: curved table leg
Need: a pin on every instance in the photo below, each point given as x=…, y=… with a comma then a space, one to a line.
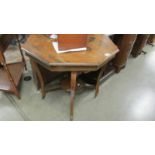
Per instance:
x=98, y=80
x=39, y=77
x=73, y=88
x=35, y=76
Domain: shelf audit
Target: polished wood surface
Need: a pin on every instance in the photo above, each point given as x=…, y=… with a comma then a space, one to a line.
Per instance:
x=100, y=50
x=140, y=42
x=125, y=43
x=71, y=41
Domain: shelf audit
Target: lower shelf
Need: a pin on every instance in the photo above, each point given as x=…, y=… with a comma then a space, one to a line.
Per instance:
x=16, y=71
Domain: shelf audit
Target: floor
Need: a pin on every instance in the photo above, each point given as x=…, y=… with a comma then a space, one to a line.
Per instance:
x=129, y=95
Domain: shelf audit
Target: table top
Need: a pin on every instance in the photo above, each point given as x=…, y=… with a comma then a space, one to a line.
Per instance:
x=100, y=49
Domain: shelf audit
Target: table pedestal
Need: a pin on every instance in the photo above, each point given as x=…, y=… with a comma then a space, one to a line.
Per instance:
x=139, y=44
x=125, y=44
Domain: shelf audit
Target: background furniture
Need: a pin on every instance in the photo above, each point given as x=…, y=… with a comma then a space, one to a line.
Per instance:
x=125, y=43
x=151, y=39
x=10, y=74
x=139, y=44
x=100, y=50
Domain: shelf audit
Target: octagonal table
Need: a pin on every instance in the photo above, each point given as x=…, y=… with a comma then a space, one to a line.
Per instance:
x=100, y=50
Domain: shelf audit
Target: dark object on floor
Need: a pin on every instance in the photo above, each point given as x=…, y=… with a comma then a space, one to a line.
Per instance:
x=27, y=78
x=91, y=77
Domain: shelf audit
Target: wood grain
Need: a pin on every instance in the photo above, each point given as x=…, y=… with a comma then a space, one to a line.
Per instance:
x=100, y=50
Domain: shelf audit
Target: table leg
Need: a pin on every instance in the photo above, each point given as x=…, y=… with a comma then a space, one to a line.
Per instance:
x=34, y=73
x=38, y=76
x=73, y=88
x=98, y=80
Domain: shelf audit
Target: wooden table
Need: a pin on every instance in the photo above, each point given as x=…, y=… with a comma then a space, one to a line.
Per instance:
x=100, y=50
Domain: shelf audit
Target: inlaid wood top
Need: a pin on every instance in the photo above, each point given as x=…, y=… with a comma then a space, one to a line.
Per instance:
x=100, y=49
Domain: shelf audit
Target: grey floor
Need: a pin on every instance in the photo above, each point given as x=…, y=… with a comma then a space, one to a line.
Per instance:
x=129, y=95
